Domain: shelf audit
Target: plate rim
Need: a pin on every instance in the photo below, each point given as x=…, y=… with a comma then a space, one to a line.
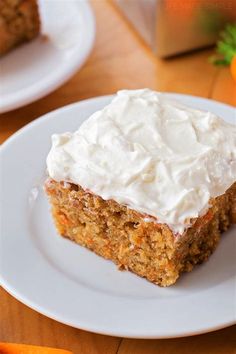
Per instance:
x=27, y=302
x=111, y=333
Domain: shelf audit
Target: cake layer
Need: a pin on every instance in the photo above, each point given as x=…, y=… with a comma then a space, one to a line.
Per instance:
x=122, y=235
x=154, y=155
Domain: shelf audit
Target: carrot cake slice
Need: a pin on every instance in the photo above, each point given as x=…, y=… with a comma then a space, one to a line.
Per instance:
x=19, y=22
x=146, y=182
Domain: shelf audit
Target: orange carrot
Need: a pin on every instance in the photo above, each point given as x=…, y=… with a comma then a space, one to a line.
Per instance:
x=233, y=68
x=182, y=8
x=226, y=49
x=10, y=348
x=208, y=216
x=64, y=220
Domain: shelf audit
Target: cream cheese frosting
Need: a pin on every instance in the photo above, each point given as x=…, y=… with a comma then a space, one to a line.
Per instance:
x=154, y=155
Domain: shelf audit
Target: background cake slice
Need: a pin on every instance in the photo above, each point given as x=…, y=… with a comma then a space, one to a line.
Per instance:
x=146, y=182
x=19, y=22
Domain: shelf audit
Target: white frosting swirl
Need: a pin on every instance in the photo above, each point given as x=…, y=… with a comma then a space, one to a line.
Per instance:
x=154, y=155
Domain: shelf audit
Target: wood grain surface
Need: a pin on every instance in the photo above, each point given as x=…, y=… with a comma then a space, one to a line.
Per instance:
x=119, y=60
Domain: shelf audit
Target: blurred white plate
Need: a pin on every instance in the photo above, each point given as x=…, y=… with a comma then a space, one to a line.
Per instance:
x=66, y=282
x=35, y=69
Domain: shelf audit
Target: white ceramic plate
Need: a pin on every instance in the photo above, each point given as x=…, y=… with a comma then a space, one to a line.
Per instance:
x=68, y=283
x=35, y=69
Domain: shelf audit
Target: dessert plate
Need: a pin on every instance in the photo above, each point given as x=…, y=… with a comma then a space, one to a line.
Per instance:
x=70, y=284
x=35, y=69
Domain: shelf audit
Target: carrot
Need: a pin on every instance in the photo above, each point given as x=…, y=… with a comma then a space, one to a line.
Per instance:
x=64, y=220
x=233, y=68
x=226, y=49
x=208, y=216
x=10, y=348
x=182, y=8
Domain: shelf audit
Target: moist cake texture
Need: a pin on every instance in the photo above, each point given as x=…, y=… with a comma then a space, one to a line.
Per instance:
x=146, y=182
x=19, y=22
x=122, y=235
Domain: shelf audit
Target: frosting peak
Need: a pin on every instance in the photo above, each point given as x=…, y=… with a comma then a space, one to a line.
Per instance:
x=154, y=155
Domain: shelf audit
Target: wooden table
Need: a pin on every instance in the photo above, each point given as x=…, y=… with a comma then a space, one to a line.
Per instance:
x=119, y=60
